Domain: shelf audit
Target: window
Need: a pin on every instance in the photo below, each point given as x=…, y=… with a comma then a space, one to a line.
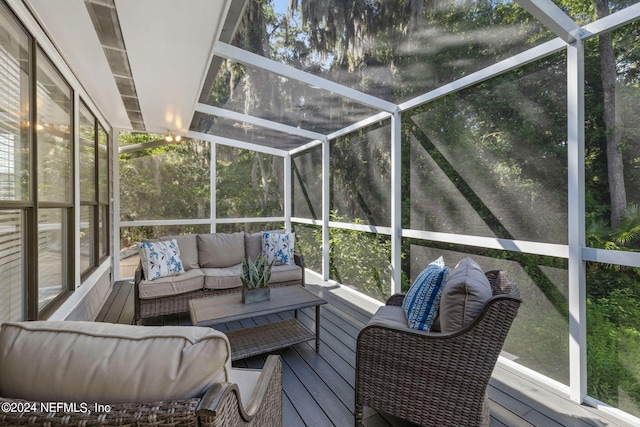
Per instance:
x=103, y=193
x=15, y=196
x=55, y=178
x=88, y=183
x=94, y=191
x=37, y=211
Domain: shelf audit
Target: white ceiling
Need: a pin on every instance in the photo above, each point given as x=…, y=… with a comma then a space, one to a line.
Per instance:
x=169, y=45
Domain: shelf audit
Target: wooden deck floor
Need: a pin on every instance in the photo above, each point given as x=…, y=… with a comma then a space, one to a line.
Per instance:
x=318, y=387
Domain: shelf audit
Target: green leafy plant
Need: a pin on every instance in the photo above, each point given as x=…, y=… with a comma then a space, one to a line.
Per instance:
x=255, y=273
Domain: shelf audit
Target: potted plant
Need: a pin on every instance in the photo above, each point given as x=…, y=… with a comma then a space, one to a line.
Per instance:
x=255, y=279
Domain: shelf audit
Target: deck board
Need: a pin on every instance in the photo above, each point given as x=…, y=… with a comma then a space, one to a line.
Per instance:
x=119, y=307
x=318, y=388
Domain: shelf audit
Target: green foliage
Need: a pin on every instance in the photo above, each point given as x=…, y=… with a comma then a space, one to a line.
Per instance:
x=248, y=184
x=255, y=273
x=625, y=237
x=361, y=175
x=613, y=337
x=357, y=259
x=629, y=229
x=166, y=182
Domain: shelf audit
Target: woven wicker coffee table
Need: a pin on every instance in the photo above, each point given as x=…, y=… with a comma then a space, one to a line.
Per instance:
x=259, y=339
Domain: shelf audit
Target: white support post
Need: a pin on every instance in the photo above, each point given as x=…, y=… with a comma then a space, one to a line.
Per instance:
x=76, y=279
x=396, y=203
x=287, y=192
x=115, y=143
x=577, y=239
x=326, y=145
x=212, y=196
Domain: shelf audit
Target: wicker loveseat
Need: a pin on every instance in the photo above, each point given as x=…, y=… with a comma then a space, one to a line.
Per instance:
x=100, y=374
x=433, y=378
x=212, y=264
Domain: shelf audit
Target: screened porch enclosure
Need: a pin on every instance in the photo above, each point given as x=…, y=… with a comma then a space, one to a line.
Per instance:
x=492, y=164
x=380, y=170
x=384, y=133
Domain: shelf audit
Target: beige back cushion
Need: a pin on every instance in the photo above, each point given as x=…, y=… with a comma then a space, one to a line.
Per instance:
x=188, y=245
x=253, y=244
x=108, y=363
x=188, y=251
x=463, y=296
x=217, y=250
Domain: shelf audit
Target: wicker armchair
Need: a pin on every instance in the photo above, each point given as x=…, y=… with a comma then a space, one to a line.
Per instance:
x=220, y=406
x=429, y=378
x=61, y=388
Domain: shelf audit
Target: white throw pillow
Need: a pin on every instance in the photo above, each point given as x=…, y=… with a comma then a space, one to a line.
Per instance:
x=160, y=259
x=277, y=248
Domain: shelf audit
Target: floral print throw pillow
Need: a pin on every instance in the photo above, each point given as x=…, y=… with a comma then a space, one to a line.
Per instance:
x=278, y=247
x=160, y=259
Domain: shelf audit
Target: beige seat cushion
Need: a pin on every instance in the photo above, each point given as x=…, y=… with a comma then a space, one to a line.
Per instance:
x=463, y=296
x=219, y=250
x=391, y=316
x=108, y=363
x=222, y=278
x=191, y=280
x=246, y=380
x=285, y=273
x=226, y=278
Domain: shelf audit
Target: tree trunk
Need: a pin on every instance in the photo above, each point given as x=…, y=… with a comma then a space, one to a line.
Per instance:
x=613, y=126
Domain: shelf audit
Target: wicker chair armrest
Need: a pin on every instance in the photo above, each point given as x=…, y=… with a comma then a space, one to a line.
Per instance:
x=222, y=405
x=174, y=413
x=395, y=299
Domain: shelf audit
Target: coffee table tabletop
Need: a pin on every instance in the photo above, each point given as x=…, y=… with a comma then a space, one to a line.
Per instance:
x=259, y=339
x=229, y=308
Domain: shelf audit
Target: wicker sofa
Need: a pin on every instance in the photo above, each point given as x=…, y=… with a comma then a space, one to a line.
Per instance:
x=212, y=264
x=91, y=374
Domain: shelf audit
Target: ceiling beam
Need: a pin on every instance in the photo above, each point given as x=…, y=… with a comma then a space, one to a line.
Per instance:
x=359, y=125
x=552, y=17
x=227, y=114
x=236, y=143
x=251, y=59
x=499, y=68
x=145, y=146
x=613, y=21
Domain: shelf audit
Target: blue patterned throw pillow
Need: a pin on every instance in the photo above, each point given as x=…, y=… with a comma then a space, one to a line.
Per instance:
x=421, y=302
x=160, y=259
x=277, y=248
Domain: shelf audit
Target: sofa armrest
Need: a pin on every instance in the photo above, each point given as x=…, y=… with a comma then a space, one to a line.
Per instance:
x=139, y=277
x=299, y=260
x=222, y=405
